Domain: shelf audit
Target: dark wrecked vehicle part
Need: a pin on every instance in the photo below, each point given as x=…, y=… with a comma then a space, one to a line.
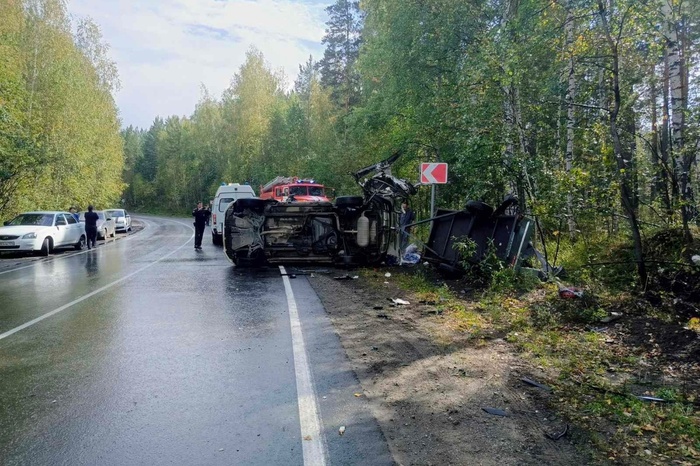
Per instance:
x=502, y=231
x=351, y=230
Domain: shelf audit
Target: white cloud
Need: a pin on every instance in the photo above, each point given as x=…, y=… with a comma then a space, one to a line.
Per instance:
x=166, y=49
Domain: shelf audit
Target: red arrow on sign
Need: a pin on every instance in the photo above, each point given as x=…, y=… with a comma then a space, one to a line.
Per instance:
x=433, y=173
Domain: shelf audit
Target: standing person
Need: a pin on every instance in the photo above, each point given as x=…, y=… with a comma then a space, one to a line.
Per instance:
x=208, y=209
x=91, y=227
x=200, y=220
x=74, y=213
x=406, y=218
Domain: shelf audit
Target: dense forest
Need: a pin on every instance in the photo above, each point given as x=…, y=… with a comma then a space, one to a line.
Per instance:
x=59, y=128
x=587, y=110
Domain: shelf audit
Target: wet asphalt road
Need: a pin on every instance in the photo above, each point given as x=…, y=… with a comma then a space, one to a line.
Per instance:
x=145, y=351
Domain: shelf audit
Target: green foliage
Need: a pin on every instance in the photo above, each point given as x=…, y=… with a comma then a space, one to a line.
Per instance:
x=488, y=271
x=342, y=41
x=483, y=86
x=59, y=131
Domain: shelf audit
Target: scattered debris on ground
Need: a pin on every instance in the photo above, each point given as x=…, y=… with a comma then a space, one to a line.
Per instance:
x=427, y=384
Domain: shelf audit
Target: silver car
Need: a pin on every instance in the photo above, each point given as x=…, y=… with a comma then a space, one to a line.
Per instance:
x=106, y=226
x=121, y=217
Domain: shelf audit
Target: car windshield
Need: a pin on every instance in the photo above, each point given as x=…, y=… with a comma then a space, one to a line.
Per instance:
x=315, y=191
x=101, y=215
x=115, y=213
x=297, y=191
x=45, y=220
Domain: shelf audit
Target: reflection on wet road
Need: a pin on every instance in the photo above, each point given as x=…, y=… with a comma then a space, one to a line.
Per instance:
x=145, y=351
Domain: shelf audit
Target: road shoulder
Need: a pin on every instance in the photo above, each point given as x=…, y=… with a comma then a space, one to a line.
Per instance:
x=428, y=385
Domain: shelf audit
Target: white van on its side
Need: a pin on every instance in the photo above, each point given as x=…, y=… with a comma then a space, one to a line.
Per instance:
x=225, y=195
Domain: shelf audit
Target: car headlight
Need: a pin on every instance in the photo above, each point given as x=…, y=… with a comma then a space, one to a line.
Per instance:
x=29, y=236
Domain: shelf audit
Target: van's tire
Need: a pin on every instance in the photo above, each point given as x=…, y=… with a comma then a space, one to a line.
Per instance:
x=349, y=201
x=80, y=244
x=217, y=240
x=480, y=209
x=242, y=260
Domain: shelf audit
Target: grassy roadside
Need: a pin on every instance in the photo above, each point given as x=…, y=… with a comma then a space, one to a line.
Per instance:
x=601, y=353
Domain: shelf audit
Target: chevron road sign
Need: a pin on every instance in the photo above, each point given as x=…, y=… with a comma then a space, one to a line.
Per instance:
x=433, y=173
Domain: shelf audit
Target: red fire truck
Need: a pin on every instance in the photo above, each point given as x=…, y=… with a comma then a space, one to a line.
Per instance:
x=293, y=189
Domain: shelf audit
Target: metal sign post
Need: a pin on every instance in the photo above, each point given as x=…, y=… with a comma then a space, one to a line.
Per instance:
x=432, y=174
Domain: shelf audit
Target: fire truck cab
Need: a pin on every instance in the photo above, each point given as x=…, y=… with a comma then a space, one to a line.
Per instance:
x=293, y=189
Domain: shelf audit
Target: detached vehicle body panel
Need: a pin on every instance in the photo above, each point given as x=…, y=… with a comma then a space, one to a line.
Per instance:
x=507, y=236
x=351, y=230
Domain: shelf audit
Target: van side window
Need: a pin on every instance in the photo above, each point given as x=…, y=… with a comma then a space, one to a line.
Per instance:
x=224, y=202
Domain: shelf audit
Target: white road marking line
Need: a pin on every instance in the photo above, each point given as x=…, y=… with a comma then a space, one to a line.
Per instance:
x=89, y=295
x=313, y=446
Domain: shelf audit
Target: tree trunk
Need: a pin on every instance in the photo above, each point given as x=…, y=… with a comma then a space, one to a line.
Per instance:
x=626, y=195
x=665, y=142
x=570, y=120
x=681, y=167
x=657, y=170
x=513, y=124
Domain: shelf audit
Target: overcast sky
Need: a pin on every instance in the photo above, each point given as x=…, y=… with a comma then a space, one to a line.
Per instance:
x=166, y=49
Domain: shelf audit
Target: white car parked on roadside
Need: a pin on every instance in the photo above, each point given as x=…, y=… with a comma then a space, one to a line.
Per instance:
x=42, y=232
x=122, y=219
x=106, y=227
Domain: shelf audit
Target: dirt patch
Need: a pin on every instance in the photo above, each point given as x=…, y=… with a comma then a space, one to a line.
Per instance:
x=428, y=385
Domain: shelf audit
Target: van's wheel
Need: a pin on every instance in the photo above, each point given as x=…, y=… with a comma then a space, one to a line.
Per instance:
x=349, y=201
x=45, y=247
x=217, y=240
x=80, y=244
x=242, y=259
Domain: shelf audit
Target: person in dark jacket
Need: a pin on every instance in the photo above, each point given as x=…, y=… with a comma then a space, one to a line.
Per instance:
x=200, y=220
x=406, y=218
x=73, y=211
x=91, y=227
